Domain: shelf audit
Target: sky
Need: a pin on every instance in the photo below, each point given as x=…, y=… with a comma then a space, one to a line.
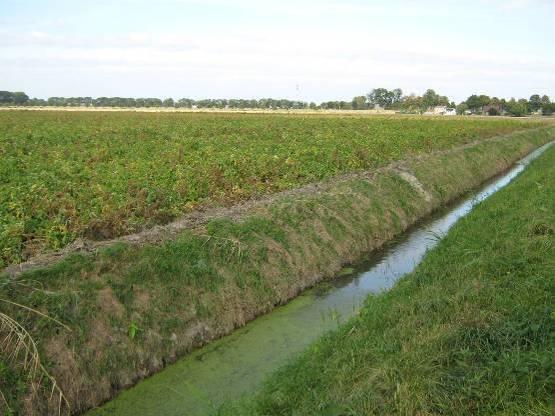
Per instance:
x=311, y=50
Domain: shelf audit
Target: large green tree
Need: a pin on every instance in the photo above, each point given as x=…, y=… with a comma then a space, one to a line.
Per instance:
x=168, y=102
x=397, y=97
x=476, y=103
x=412, y=103
x=381, y=97
x=359, y=102
x=385, y=98
x=431, y=99
x=547, y=106
x=20, y=98
x=535, y=102
x=6, y=97
x=517, y=108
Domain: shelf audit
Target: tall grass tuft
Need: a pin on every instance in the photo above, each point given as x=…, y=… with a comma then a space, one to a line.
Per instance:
x=19, y=349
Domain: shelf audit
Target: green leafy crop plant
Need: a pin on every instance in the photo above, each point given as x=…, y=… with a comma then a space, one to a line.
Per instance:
x=65, y=175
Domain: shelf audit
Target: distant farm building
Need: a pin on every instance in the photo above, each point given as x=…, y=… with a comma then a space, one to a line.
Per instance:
x=441, y=110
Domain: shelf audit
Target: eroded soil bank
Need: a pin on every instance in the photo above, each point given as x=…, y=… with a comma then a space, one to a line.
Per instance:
x=236, y=365
x=469, y=332
x=135, y=308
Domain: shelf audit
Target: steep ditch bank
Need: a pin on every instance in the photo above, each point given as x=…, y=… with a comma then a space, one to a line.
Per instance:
x=237, y=365
x=469, y=332
x=134, y=309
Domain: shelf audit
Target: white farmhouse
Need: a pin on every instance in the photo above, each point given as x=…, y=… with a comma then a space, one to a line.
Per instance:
x=443, y=110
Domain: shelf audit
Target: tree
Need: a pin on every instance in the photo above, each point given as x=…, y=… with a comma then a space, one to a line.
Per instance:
x=397, y=97
x=57, y=101
x=359, y=102
x=484, y=100
x=498, y=104
x=16, y=98
x=385, y=98
x=535, y=102
x=547, y=106
x=461, y=108
x=474, y=103
x=381, y=97
x=524, y=102
x=185, y=103
x=116, y=102
x=412, y=104
x=153, y=102
x=37, y=102
x=547, y=109
x=430, y=99
x=168, y=102
x=517, y=108
x=6, y=97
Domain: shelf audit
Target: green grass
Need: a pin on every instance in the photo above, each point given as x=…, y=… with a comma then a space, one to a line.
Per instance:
x=471, y=331
x=66, y=175
x=132, y=308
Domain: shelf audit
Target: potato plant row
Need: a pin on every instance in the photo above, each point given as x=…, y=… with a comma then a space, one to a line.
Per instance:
x=65, y=175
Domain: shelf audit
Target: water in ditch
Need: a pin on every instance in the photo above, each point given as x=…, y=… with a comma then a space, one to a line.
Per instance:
x=236, y=364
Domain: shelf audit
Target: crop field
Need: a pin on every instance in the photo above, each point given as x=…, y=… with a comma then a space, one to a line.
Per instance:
x=64, y=175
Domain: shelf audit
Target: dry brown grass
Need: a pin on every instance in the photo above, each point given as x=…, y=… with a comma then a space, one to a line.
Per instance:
x=20, y=349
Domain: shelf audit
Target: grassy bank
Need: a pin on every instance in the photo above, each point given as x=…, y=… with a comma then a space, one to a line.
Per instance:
x=132, y=309
x=67, y=175
x=471, y=331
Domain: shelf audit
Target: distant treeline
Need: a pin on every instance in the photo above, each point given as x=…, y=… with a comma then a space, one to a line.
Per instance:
x=475, y=104
x=20, y=98
x=378, y=98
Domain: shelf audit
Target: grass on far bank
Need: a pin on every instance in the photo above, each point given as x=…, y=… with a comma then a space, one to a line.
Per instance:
x=471, y=331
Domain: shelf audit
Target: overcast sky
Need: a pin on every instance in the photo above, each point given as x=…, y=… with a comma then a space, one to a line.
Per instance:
x=298, y=49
